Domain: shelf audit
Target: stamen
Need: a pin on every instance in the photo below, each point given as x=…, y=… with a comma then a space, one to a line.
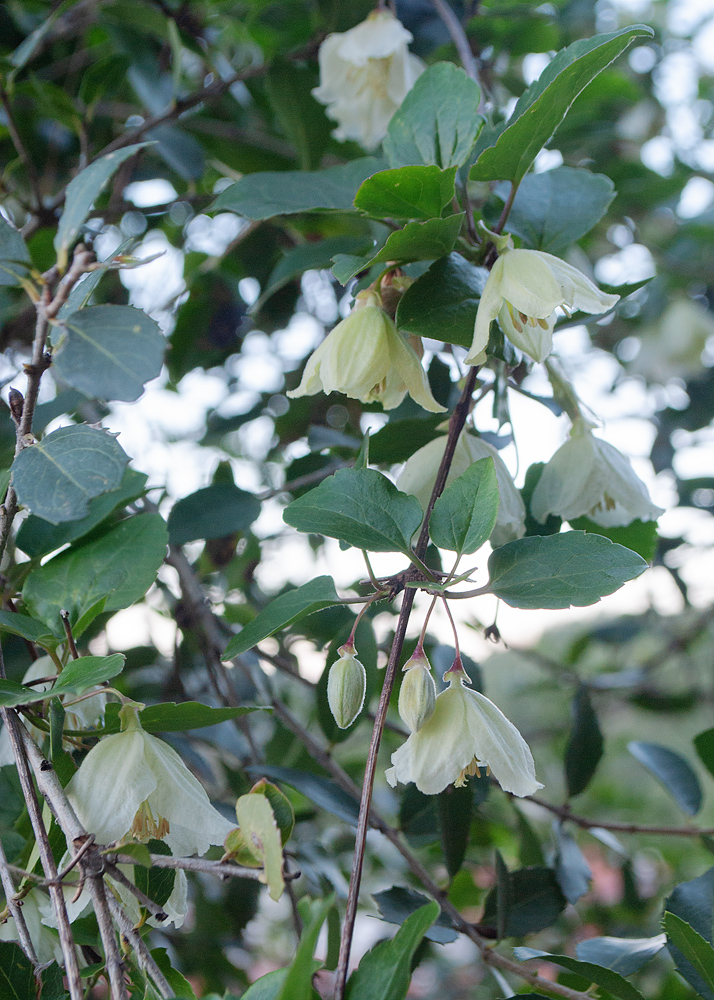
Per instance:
x=543, y=324
x=148, y=827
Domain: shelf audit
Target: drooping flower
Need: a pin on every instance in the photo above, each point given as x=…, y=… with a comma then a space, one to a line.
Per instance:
x=365, y=74
x=589, y=477
x=524, y=289
x=672, y=347
x=133, y=784
x=419, y=475
x=346, y=687
x=465, y=733
x=417, y=694
x=46, y=944
x=365, y=357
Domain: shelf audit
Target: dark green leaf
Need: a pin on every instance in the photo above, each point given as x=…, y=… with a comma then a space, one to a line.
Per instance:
x=640, y=536
x=693, y=902
x=585, y=744
x=606, y=978
x=261, y=196
x=81, y=194
x=416, y=241
x=322, y=791
x=283, y=611
x=361, y=507
x=502, y=892
x=417, y=192
x=623, y=955
x=28, y=628
x=310, y=256
x=384, y=973
x=697, y=951
x=438, y=121
x=399, y=439
x=14, y=255
x=53, y=983
x=179, y=984
x=78, y=676
x=534, y=902
x=156, y=883
x=170, y=717
x=397, y=904
x=109, y=352
x=703, y=744
x=37, y=537
x=298, y=982
x=557, y=571
x=675, y=773
x=301, y=118
x=213, y=512
x=58, y=476
x=442, y=304
x=545, y=103
x=120, y=566
x=17, y=978
x=465, y=514
x=530, y=851
x=455, y=811
x=555, y=208
x=571, y=869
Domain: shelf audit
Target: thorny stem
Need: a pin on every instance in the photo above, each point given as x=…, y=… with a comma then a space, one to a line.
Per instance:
x=456, y=425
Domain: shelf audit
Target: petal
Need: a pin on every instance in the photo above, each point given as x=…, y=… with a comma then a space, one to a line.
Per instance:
x=110, y=785
x=419, y=474
x=310, y=383
x=182, y=800
x=564, y=487
x=530, y=337
x=578, y=291
x=488, y=308
x=378, y=37
x=624, y=486
x=501, y=746
x=404, y=359
x=529, y=284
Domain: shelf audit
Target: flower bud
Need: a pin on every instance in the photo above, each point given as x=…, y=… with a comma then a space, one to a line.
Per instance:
x=417, y=695
x=346, y=686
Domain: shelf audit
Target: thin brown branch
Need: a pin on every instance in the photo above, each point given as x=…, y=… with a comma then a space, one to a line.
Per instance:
x=144, y=957
x=118, y=876
x=64, y=615
x=461, y=42
x=221, y=868
x=15, y=908
x=564, y=813
x=112, y=957
x=31, y=170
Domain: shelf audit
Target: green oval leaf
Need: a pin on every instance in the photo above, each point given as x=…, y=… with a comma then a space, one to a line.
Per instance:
x=623, y=955
x=14, y=255
x=557, y=571
x=611, y=981
x=213, y=512
x=58, y=476
x=697, y=951
x=675, y=773
x=465, y=514
x=585, y=744
x=443, y=302
x=417, y=192
x=109, y=352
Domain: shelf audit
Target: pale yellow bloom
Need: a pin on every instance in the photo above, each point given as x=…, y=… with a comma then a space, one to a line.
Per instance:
x=366, y=358
x=524, y=290
x=365, y=74
x=589, y=477
x=466, y=732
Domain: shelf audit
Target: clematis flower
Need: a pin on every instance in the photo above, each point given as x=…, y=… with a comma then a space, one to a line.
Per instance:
x=133, y=784
x=672, y=348
x=465, y=733
x=524, y=289
x=46, y=944
x=589, y=477
x=365, y=74
x=419, y=475
x=366, y=358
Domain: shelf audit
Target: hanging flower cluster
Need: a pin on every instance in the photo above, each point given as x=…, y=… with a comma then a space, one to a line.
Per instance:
x=365, y=74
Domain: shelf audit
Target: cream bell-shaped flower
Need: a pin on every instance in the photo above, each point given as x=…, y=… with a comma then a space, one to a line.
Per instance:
x=524, y=289
x=366, y=358
x=46, y=944
x=133, y=784
x=365, y=74
x=589, y=477
x=465, y=732
x=419, y=475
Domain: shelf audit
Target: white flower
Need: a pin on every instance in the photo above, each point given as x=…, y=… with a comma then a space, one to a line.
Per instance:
x=133, y=784
x=588, y=477
x=524, y=289
x=365, y=357
x=672, y=348
x=465, y=732
x=419, y=475
x=365, y=74
x=46, y=944
x=80, y=715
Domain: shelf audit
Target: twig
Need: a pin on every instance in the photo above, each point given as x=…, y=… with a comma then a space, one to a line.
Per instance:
x=32, y=175
x=156, y=911
x=64, y=615
x=220, y=868
x=112, y=957
x=456, y=425
x=461, y=42
x=564, y=813
x=15, y=909
x=143, y=955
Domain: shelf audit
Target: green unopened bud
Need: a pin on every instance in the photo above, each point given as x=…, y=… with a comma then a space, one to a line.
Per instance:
x=346, y=686
x=417, y=695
